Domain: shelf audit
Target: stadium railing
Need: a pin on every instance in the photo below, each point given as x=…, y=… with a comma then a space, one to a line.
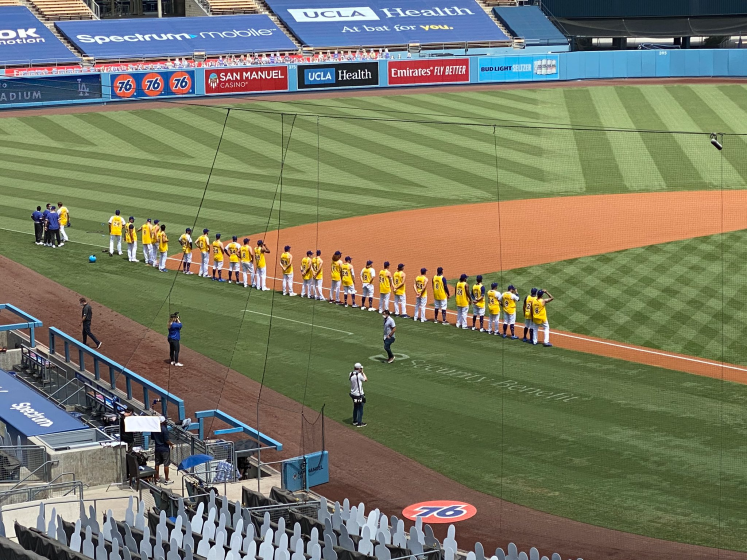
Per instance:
x=30, y=322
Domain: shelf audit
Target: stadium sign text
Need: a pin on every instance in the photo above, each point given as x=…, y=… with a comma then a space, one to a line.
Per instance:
x=424, y=71
x=19, y=36
x=344, y=75
x=137, y=37
x=246, y=80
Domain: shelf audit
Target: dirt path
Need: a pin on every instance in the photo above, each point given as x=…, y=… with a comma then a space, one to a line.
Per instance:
x=361, y=469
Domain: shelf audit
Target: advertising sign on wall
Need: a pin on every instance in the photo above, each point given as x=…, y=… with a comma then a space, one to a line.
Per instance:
x=246, y=80
x=144, y=85
x=344, y=75
x=428, y=71
x=518, y=68
x=18, y=91
x=122, y=38
x=352, y=23
x=26, y=40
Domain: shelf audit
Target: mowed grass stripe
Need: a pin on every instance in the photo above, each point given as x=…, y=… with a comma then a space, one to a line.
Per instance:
x=54, y=131
x=677, y=170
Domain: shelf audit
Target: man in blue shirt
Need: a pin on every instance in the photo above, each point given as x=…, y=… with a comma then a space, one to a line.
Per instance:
x=53, y=227
x=38, y=218
x=163, y=447
x=47, y=240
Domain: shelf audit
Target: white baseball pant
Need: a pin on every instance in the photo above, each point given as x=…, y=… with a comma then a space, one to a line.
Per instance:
x=420, y=305
x=538, y=326
x=400, y=304
x=288, y=283
x=462, y=316
x=63, y=234
x=384, y=302
x=334, y=291
x=162, y=260
x=132, y=251
x=115, y=239
x=318, y=289
x=247, y=273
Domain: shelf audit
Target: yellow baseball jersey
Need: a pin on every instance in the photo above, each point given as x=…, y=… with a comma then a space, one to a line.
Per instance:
x=421, y=286
x=259, y=257
x=64, y=215
x=154, y=234
x=346, y=272
x=462, y=294
x=163, y=242
x=494, y=302
x=147, y=233
x=115, y=225
x=316, y=268
x=233, y=249
x=509, y=303
x=528, y=307
x=439, y=289
x=203, y=243
x=186, y=242
x=130, y=235
x=285, y=260
x=306, y=268
x=367, y=275
x=246, y=254
x=478, y=295
x=399, y=283
x=217, y=251
x=336, y=270
x=385, y=284
x=539, y=311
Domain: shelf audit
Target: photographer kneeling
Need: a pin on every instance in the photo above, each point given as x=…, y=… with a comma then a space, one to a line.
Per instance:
x=175, y=327
x=357, y=377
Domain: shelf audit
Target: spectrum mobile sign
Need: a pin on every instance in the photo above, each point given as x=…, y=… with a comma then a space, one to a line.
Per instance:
x=246, y=80
x=148, y=85
x=424, y=71
x=343, y=75
x=175, y=36
x=352, y=23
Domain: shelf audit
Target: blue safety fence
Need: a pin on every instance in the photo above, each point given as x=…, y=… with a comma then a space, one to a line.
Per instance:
x=29, y=322
x=99, y=362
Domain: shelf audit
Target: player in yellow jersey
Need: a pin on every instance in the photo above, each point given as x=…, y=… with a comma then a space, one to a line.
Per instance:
x=335, y=277
x=246, y=256
x=203, y=244
x=385, y=287
x=421, y=296
x=400, y=292
x=307, y=288
x=286, y=263
x=478, y=303
x=317, y=274
x=463, y=300
x=155, y=229
x=494, y=308
x=528, y=323
x=440, y=295
x=347, y=273
x=185, y=240
x=232, y=250
x=367, y=276
x=116, y=223
x=163, y=249
x=131, y=240
x=145, y=232
x=539, y=316
x=508, y=301
x=64, y=214
x=260, y=266
x=218, y=251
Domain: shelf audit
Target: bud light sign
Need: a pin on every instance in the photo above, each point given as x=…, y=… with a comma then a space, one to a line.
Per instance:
x=344, y=75
x=148, y=85
x=518, y=68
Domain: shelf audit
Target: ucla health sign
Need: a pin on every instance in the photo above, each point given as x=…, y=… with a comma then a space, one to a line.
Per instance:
x=352, y=23
x=148, y=85
x=26, y=40
x=518, y=68
x=175, y=36
x=343, y=75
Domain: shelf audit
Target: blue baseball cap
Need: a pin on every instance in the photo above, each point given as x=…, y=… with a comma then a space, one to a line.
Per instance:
x=205, y=230
x=234, y=238
x=217, y=235
x=116, y=212
x=287, y=247
x=534, y=291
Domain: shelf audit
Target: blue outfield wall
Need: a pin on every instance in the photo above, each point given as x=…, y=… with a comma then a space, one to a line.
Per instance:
x=198, y=82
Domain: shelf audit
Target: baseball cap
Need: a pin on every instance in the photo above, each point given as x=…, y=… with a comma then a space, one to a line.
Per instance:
x=154, y=221
x=318, y=252
x=217, y=235
x=234, y=238
x=534, y=291
x=116, y=212
x=358, y=365
x=188, y=230
x=260, y=242
x=540, y=293
x=386, y=263
x=440, y=270
x=53, y=208
x=348, y=259
x=423, y=270
x=148, y=220
x=400, y=265
x=479, y=278
x=494, y=285
x=309, y=253
x=287, y=247
x=246, y=240
x=203, y=231
x=369, y=263
x=511, y=287
x=463, y=277
x=131, y=218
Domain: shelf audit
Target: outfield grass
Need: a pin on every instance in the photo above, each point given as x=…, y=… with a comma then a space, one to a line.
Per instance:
x=635, y=448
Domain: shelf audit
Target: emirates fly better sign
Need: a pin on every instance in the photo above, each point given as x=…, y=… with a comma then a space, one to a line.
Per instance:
x=352, y=23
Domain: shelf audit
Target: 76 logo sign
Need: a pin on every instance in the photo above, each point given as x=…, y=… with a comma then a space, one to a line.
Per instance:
x=152, y=84
x=123, y=86
x=440, y=511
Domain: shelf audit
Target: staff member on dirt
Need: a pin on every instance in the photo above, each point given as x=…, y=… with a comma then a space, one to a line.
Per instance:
x=357, y=378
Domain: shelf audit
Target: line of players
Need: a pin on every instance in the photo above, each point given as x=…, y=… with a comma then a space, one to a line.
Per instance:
x=251, y=262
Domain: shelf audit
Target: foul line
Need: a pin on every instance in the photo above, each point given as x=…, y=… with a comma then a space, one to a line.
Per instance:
x=451, y=313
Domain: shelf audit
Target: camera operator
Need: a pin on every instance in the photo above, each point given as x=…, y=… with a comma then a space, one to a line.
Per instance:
x=357, y=378
x=175, y=328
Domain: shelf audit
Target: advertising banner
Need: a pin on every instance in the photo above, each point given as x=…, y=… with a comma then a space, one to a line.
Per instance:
x=148, y=85
x=343, y=75
x=428, y=71
x=122, y=38
x=246, y=80
x=518, y=68
x=352, y=23
x=26, y=40
x=18, y=91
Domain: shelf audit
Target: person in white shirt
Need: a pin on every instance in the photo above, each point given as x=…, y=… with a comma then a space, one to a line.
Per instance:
x=357, y=378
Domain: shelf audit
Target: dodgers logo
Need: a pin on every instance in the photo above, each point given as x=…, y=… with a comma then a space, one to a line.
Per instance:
x=319, y=76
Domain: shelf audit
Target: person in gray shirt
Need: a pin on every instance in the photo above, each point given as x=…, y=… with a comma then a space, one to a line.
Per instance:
x=389, y=330
x=357, y=378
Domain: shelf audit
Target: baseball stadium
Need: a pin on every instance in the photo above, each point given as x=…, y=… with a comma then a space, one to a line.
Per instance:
x=588, y=156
